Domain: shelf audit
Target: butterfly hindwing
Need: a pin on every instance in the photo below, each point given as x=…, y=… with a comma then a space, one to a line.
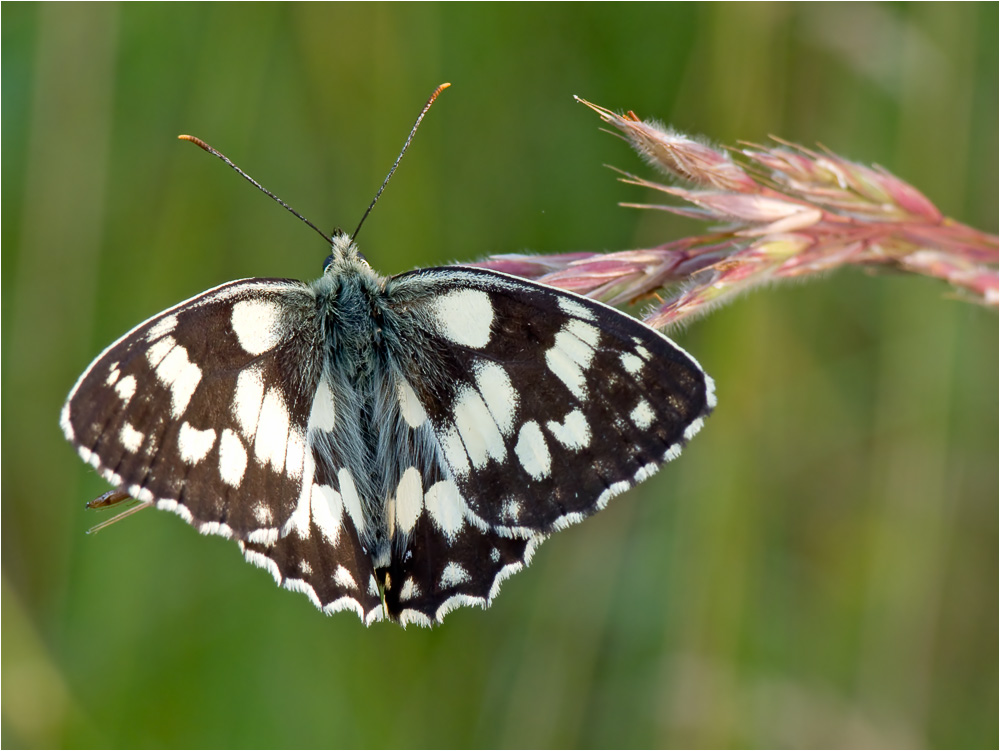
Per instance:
x=440, y=572
x=320, y=553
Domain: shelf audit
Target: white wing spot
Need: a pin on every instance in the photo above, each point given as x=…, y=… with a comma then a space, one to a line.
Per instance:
x=409, y=500
x=125, y=388
x=272, y=431
x=602, y=501
x=409, y=406
x=156, y=353
x=323, y=413
x=327, y=509
x=300, y=585
x=644, y=473
x=113, y=375
x=532, y=451
x=305, y=568
x=295, y=454
x=181, y=375
x=591, y=335
x=261, y=511
x=692, y=430
x=631, y=363
x=247, y=400
x=643, y=352
x=446, y=507
x=66, y=424
x=642, y=415
x=409, y=590
x=454, y=451
x=194, y=444
x=349, y=493
x=131, y=438
x=266, y=537
x=258, y=325
x=573, y=432
x=511, y=510
x=232, y=458
x=571, y=307
x=161, y=328
x=216, y=528
x=477, y=428
x=464, y=316
x=571, y=354
x=258, y=559
x=498, y=393
x=342, y=577
x=453, y=575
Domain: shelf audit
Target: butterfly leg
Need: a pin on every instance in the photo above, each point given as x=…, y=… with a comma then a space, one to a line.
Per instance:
x=111, y=498
x=114, y=498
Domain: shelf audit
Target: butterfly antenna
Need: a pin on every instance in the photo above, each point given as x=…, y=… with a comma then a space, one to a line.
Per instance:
x=201, y=144
x=395, y=164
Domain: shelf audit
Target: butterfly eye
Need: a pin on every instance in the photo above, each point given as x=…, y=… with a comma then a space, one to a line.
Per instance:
x=327, y=262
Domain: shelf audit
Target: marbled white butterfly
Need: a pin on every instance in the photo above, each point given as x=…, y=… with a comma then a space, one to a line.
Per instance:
x=396, y=446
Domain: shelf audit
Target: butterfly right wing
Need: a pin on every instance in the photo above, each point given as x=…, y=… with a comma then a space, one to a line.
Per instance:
x=542, y=406
x=219, y=410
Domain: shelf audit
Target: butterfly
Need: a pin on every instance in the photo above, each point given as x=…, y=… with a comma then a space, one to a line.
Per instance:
x=395, y=446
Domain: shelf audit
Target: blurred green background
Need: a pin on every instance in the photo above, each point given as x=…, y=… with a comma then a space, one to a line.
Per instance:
x=819, y=568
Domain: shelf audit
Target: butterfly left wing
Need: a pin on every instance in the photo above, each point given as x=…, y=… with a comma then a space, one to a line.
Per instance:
x=218, y=410
x=542, y=405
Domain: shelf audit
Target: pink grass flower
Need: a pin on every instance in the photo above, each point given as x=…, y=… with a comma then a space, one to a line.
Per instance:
x=786, y=211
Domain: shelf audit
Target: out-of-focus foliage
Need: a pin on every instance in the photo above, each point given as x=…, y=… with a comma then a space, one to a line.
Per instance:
x=819, y=567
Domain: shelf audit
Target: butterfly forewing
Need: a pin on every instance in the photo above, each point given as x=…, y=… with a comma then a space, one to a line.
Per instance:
x=546, y=402
x=203, y=409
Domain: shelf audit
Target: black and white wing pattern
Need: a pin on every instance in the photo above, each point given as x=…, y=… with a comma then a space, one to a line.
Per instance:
x=213, y=410
x=543, y=405
x=396, y=447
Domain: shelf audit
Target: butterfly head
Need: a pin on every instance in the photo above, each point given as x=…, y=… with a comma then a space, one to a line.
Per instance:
x=344, y=255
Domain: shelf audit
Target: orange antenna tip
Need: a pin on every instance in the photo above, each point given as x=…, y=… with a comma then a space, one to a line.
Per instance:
x=406, y=145
x=197, y=142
